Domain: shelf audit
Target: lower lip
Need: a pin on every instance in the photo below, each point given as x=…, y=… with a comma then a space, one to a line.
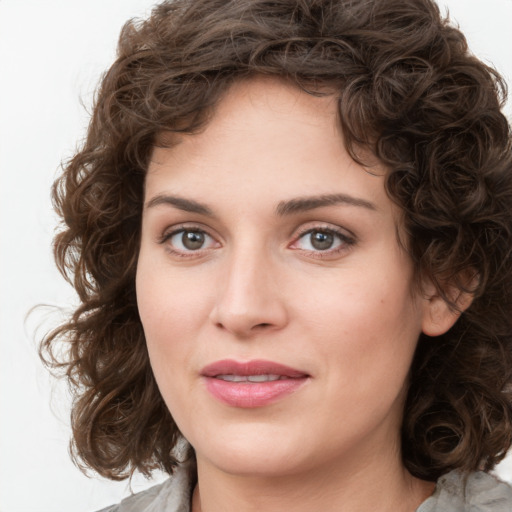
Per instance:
x=252, y=394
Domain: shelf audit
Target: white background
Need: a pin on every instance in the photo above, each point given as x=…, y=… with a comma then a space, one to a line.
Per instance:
x=51, y=56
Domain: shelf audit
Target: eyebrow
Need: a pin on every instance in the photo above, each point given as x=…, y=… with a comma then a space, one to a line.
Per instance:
x=303, y=204
x=296, y=205
x=187, y=205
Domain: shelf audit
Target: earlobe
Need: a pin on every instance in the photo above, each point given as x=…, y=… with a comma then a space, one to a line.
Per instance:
x=438, y=315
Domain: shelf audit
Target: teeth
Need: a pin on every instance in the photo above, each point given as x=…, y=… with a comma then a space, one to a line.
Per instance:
x=232, y=378
x=262, y=378
x=249, y=378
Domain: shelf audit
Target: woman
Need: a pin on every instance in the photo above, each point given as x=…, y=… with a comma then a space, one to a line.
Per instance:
x=290, y=228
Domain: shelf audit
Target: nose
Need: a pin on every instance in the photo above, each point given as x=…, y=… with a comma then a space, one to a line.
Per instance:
x=249, y=299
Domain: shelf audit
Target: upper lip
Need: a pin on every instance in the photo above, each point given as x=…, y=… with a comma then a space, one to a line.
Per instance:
x=254, y=367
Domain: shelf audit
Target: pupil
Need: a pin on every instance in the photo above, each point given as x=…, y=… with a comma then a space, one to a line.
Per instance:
x=192, y=240
x=321, y=240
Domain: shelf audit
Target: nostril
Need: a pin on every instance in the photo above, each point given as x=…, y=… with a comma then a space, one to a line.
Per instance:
x=264, y=325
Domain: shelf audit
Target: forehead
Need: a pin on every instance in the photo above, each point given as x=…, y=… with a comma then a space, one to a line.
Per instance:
x=262, y=108
x=268, y=140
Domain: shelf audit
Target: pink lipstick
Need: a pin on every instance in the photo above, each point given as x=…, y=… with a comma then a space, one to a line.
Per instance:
x=251, y=384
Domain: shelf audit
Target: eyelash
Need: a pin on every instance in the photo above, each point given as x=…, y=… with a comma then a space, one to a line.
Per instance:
x=346, y=241
x=182, y=229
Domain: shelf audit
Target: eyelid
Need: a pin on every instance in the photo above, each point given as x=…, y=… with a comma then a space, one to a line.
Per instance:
x=171, y=231
x=323, y=226
x=347, y=238
x=184, y=226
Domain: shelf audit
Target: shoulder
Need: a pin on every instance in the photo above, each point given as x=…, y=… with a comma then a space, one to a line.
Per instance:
x=474, y=492
x=173, y=495
x=141, y=501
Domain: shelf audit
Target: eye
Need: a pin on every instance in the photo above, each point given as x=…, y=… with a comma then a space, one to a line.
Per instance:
x=322, y=240
x=188, y=240
x=319, y=240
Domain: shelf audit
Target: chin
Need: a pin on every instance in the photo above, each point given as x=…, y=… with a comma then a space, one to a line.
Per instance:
x=255, y=464
x=264, y=453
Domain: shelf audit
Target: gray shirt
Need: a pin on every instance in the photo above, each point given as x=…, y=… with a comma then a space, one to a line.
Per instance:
x=476, y=492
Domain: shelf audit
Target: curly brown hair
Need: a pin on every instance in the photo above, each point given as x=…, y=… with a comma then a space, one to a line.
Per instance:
x=409, y=91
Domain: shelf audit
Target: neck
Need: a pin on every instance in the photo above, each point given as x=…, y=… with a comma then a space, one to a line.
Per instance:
x=347, y=487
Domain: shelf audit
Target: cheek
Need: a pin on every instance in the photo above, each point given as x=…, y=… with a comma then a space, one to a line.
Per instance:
x=368, y=323
x=163, y=318
x=165, y=324
x=170, y=303
x=360, y=300
x=172, y=308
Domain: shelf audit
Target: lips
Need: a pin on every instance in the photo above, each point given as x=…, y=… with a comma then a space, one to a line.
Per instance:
x=251, y=384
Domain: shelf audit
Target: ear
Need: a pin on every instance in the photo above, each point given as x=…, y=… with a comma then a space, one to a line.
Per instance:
x=438, y=315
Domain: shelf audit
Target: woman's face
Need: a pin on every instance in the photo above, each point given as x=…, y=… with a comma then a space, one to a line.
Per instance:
x=276, y=301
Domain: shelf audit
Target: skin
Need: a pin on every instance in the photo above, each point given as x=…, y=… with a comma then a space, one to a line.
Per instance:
x=258, y=288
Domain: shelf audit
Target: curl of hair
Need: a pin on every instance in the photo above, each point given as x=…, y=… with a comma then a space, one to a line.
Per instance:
x=410, y=92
